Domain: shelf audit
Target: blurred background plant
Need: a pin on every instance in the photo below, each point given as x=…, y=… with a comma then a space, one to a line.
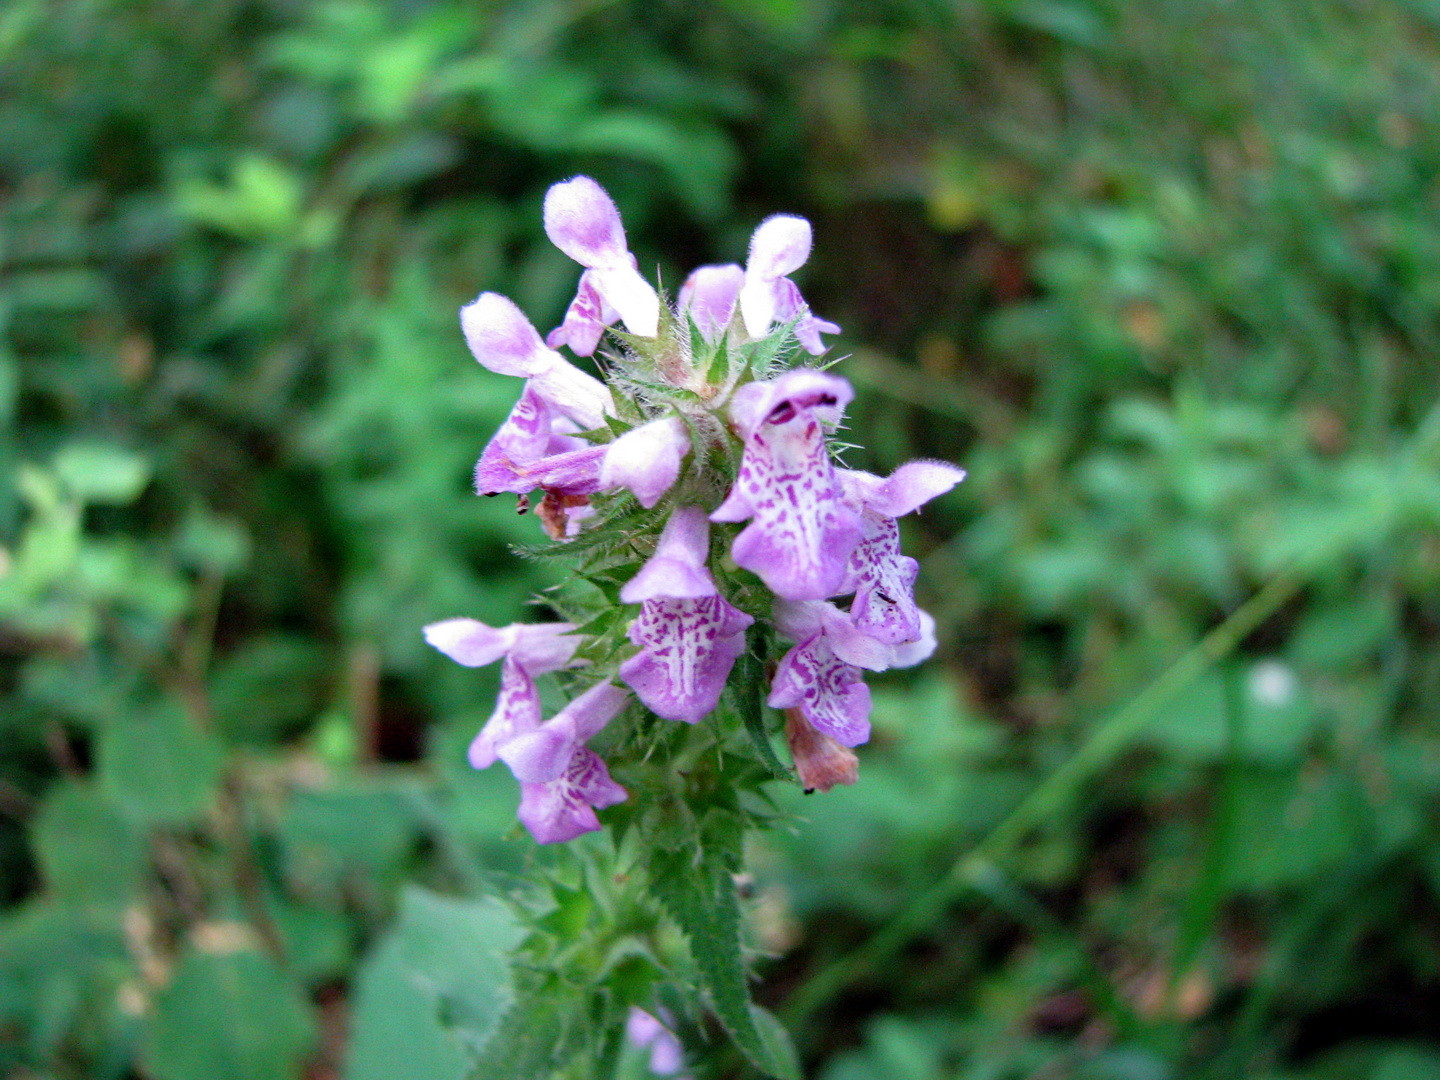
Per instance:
x=1160, y=274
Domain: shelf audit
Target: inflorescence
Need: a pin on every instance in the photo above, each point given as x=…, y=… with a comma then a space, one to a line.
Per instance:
x=701, y=421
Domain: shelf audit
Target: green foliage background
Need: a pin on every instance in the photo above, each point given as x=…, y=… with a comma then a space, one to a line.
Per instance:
x=1160, y=274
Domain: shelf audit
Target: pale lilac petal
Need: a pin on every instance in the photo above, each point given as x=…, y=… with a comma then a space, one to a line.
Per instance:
x=808, y=331
x=678, y=568
x=647, y=1033
x=912, y=485
x=687, y=649
x=543, y=754
x=524, y=438
x=583, y=221
x=779, y=246
x=830, y=693
x=710, y=294
x=790, y=305
x=469, y=641
x=586, y=716
x=564, y=808
x=646, y=459
x=801, y=621
x=641, y=1028
x=502, y=339
x=917, y=652
x=758, y=304
x=585, y=320
x=539, y=647
x=748, y=406
x=801, y=531
x=539, y=756
x=884, y=584
x=802, y=390
x=632, y=296
x=517, y=713
x=581, y=397
x=573, y=473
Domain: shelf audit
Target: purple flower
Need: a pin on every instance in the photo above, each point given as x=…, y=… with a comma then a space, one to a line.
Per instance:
x=543, y=753
x=564, y=808
x=822, y=675
x=710, y=294
x=778, y=248
x=530, y=451
x=646, y=1032
x=689, y=635
x=583, y=222
x=540, y=647
x=562, y=782
x=528, y=650
x=502, y=339
x=646, y=459
x=883, y=579
x=801, y=530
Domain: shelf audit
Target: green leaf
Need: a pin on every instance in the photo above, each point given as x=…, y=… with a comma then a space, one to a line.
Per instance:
x=432, y=994
x=746, y=689
x=159, y=767
x=273, y=683
x=231, y=1014
x=331, y=835
x=1279, y=718
x=698, y=889
x=102, y=474
x=86, y=848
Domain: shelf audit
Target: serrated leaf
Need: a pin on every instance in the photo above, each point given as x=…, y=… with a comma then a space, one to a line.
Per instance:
x=232, y=1014
x=700, y=894
x=446, y=968
x=746, y=688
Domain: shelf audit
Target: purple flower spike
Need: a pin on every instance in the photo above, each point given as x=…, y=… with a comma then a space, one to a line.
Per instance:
x=778, y=248
x=646, y=1032
x=647, y=459
x=882, y=578
x=689, y=635
x=583, y=222
x=502, y=339
x=564, y=808
x=710, y=294
x=801, y=530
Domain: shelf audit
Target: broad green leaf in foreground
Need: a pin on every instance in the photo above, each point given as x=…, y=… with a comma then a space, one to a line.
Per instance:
x=432, y=993
x=231, y=1014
